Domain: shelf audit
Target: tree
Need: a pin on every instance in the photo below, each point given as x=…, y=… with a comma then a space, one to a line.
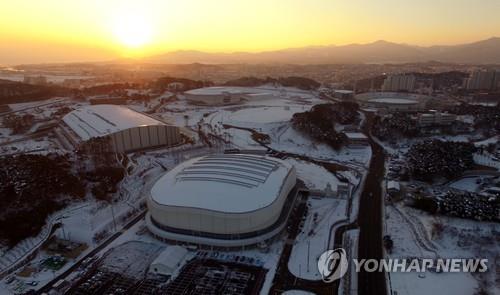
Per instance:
x=18, y=123
x=437, y=229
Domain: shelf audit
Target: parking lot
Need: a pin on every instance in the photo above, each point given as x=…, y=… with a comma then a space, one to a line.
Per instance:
x=209, y=276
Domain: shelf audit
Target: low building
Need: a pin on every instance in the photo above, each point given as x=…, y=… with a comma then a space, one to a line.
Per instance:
x=4, y=108
x=435, y=118
x=72, y=83
x=343, y=94
x=343, y=190
x=168, y=261
x=116, y=128
x=175, y=86
x=35, y=80
x=393, y=187
x=356, y=139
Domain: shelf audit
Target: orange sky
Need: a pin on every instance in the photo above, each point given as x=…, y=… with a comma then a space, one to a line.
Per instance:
x=56, y=30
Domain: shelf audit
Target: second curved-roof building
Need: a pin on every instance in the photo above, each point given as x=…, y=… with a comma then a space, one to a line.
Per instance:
x=123, y=129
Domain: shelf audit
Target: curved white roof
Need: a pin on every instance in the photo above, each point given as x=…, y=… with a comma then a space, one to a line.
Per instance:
x=219, y=90
x=393, y=100
x=100, y=120
x=224, y=183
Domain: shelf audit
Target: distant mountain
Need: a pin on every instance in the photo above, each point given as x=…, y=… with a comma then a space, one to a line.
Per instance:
x=486, y=51
x=482, y=52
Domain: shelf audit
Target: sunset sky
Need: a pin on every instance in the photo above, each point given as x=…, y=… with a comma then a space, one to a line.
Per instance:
x=72, y=30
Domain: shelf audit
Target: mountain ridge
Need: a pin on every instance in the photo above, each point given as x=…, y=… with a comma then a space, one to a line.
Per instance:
x=481, y=52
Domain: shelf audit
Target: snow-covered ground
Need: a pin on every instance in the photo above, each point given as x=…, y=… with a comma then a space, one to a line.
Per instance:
x=38, y=145
x=132, y=259
x=270, y=116
x=470, y=183
x=487, y=160
x=81, y=221
x=491, y=140
x=265, y=114
x=315, y=177
x=313, y=240
x=292, y=141
x=417, y=234
x=459, y=239
x=430, y=283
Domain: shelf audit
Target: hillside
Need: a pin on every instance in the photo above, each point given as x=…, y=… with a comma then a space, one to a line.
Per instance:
x=481, y=52
x=17, y=92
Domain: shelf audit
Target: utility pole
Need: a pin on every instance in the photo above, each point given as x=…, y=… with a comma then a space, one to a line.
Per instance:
x=113, y=214
x=63, y=232
x=308, y=253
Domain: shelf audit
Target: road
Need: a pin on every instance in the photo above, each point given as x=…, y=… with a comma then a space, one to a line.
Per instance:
x=370, y=218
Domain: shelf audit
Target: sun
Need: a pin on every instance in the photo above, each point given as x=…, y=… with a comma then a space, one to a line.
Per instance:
x=132, y=28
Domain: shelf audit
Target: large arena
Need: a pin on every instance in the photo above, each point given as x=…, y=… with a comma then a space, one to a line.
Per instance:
x=223, y=200
x=393, y=101
x=120, y=128
x=222, y=95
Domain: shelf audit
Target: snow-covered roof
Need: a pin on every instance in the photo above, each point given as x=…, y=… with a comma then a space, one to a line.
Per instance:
x=355, y=135
x=393, y=100
x=260, y=94
x=100, y=120
x=171, y=257
x=344, y=91
x=393, y=185
x=231, y=183
x=219, y=90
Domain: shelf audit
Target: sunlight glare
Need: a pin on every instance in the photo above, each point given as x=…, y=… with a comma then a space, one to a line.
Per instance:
x=132, y=28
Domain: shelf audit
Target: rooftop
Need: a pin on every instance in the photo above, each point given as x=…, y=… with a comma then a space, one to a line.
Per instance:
x=224, y=183
x=342, y=91
x=171, y=256
x=232, y=90
x=393, y=100
x=101, y=120
x=393, y=185
x=355, y=135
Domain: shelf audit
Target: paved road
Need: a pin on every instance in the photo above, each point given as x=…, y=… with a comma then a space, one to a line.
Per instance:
x=370, y=219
